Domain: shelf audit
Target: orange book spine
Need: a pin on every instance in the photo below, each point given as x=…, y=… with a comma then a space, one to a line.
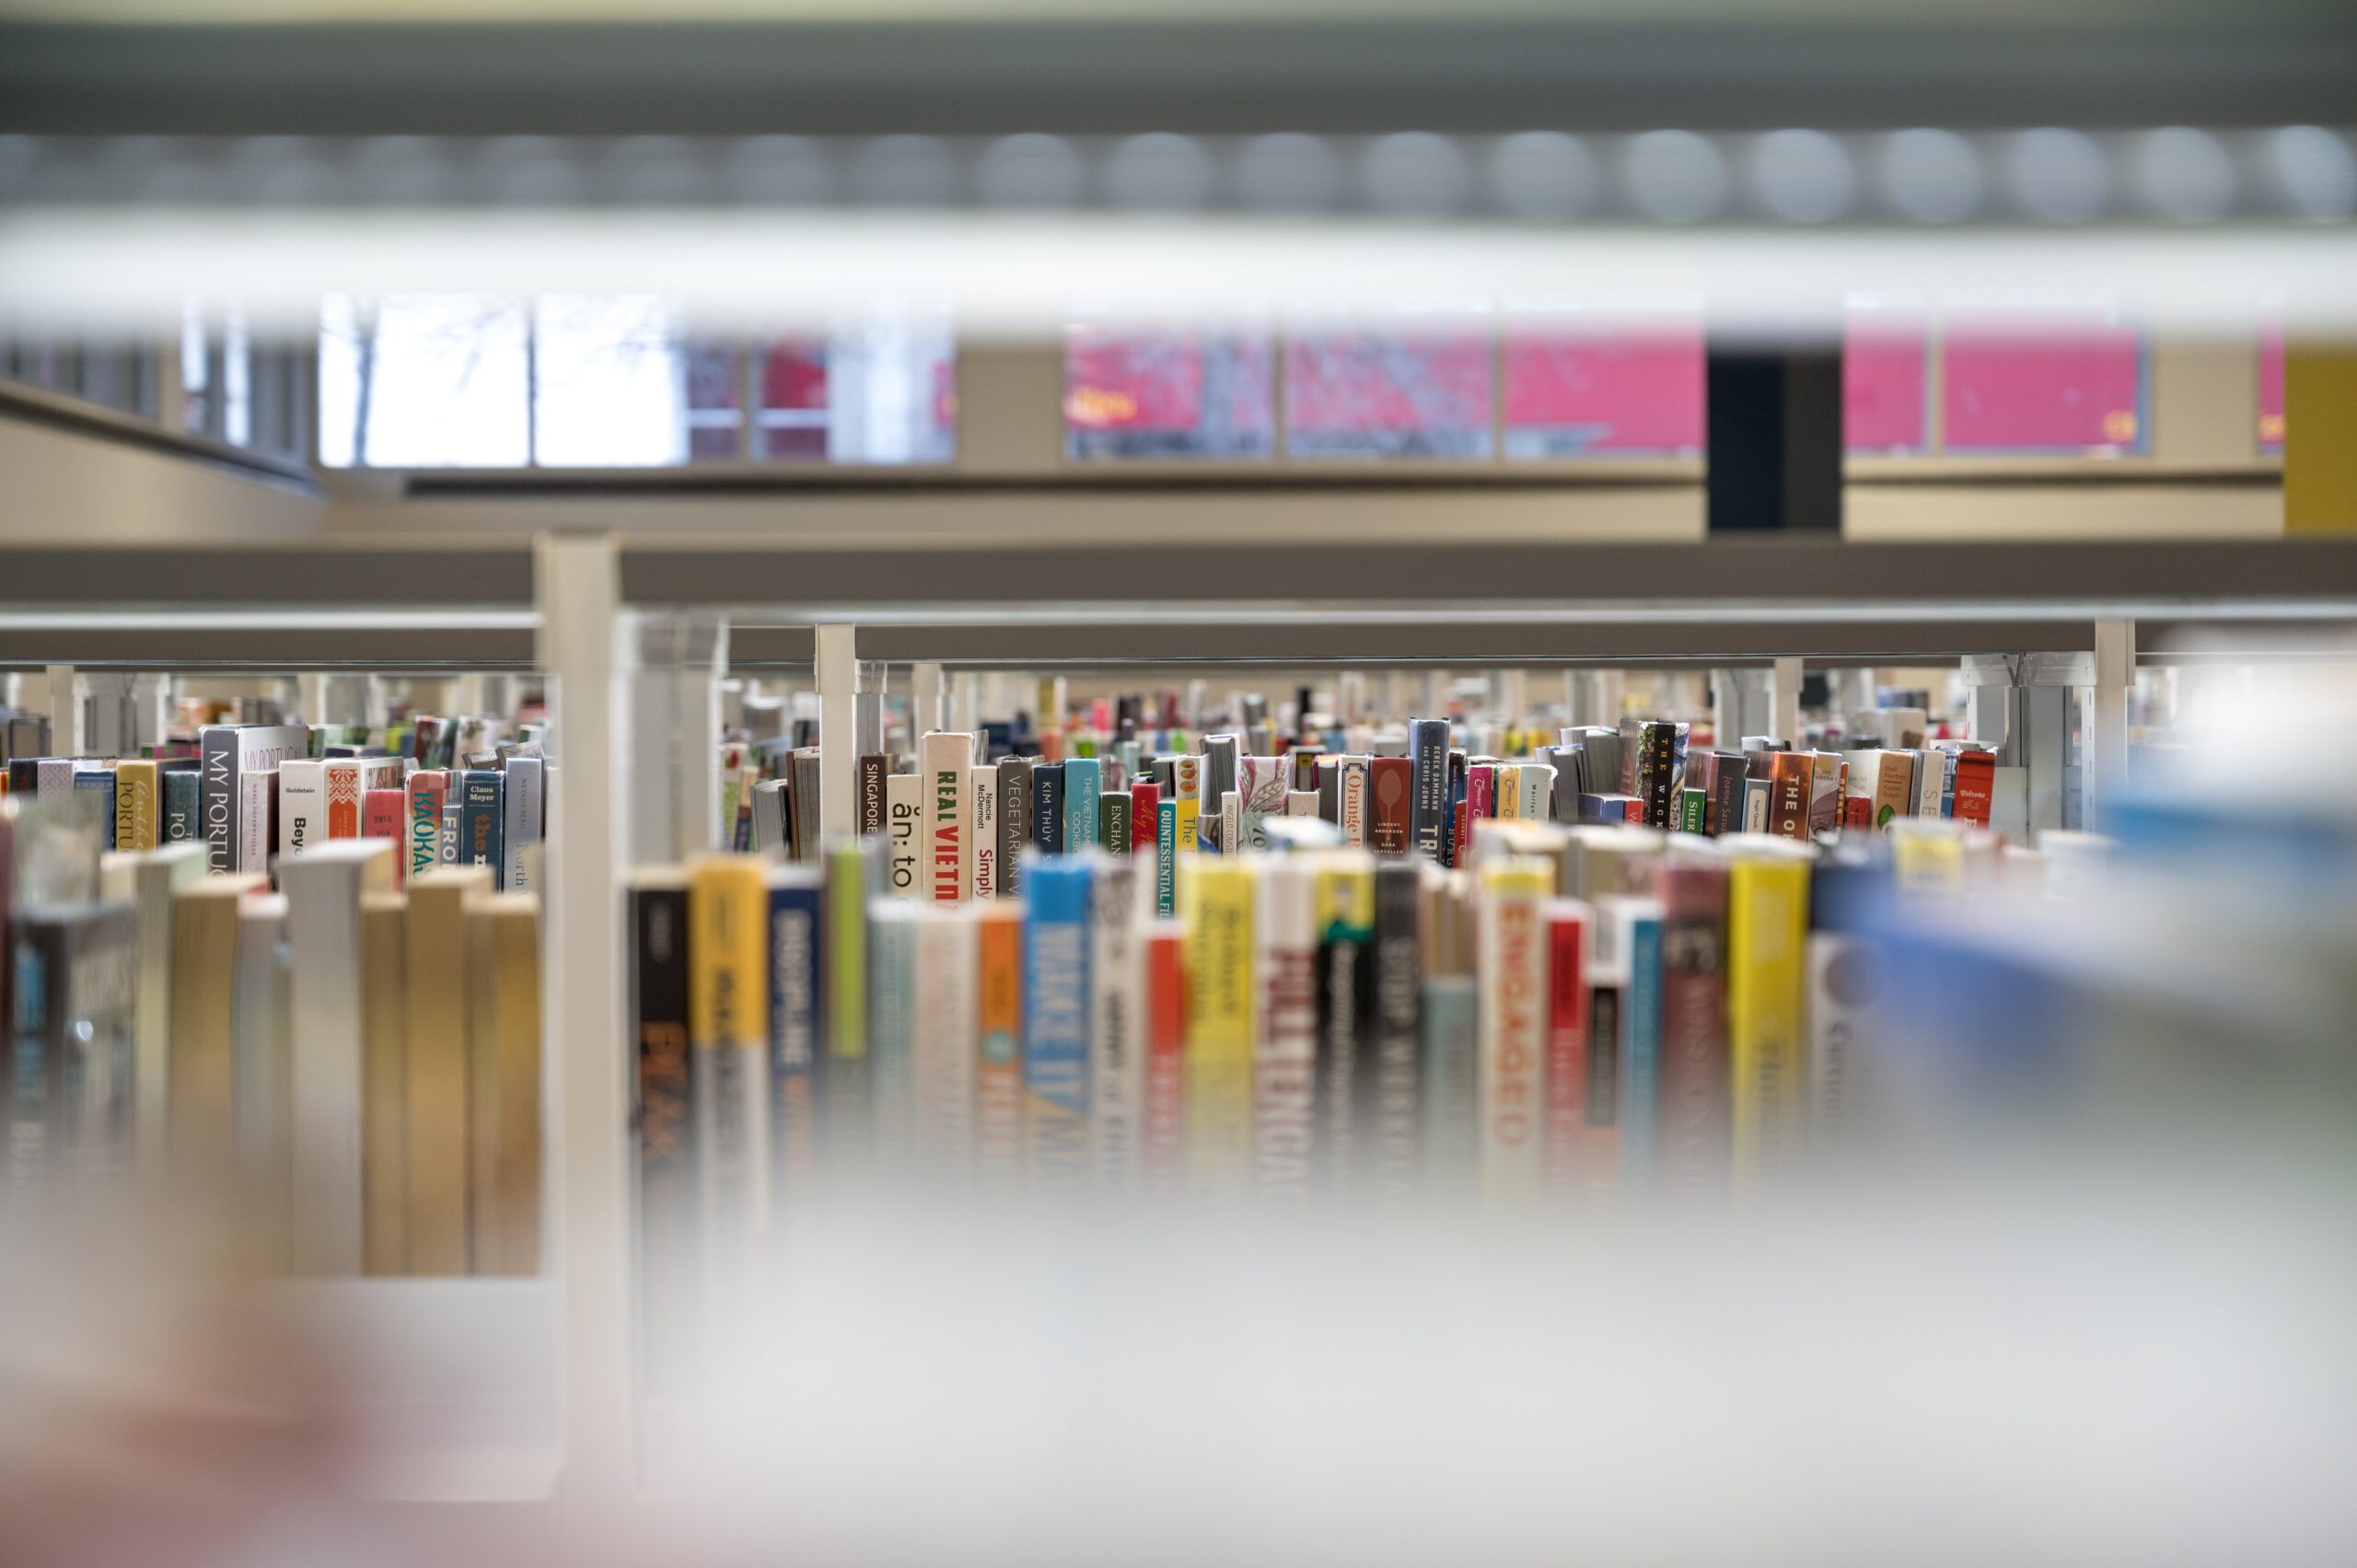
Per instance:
x=998, y=1078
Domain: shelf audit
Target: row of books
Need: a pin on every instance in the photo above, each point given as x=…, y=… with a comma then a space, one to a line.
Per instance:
x=251, y=793
x=349, y=1065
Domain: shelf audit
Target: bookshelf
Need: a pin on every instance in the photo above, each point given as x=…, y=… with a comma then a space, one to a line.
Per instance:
x=598, y=617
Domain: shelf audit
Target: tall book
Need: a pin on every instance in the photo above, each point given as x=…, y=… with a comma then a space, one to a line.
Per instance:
x=1285, y=1061
x=229, y=753
x=302, y=804
x=1352, y=801
x=157, y=880
x=1084, y=785
x=1392, y=785
x=1145, y=817
x=138, y=820
x=1639, y=920
x=1452, y=1043
x=844, y=943
x=182, y=790
x=666, y=1170
x=905, y=835
x=797, y=896
x=1014, y=822
x=892, y=1025
x=1694, y=1041
x=944, y=758
x=482, y=819
x=1791, y=775
x=429, y=795
x=343, y=788
x=1056, y=1020
x=1047, y=808
x=521, y=787
x=439, y=1061
x=946, y=1038
x=67, y=1094
x=384, y=1098
x=1216, y=905
x=998, y=1076
x=1117, y=1031
x=256, y=827
x=728, y=1072
x=324, y=886
x=1514, y=956
x=1345, y=929
x=504, y=1102
x=264, y=1072
x=1568, y=923
x=1767, y=933
x=1165, y=967
x=201, y=1090
x=1187, y=794
x=1428, y=799
x=873, y=768
x=1388, y=1084
x=981, y=785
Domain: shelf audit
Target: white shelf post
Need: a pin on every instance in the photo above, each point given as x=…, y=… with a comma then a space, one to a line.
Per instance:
x=837, y=660
x=1788, y=701
x=578, y=586
x=2115, y=675
x=64, y=712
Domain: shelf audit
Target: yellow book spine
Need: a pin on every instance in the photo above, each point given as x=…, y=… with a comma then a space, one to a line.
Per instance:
x=1513, y=1026
x=727, y=1014
x=1216, y=900
x=1767, y=944
x=135, y=818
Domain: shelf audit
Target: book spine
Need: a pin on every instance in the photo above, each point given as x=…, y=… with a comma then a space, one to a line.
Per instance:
x=453, y=806
x=1789, y=775
x=1694, y=1043
x=873, y=768
x=1014, y=822
x=1392, y=782
x=998, y=1086
x=1513, y=1026
x=1429, y=803
x=183, y=819
x=1640, y=1047
x=1145, y=817
x=257, y=793
x=1767, y=928
x=1975, y=783
x=892, y=1027
x=1389, y=1081
x=1599, y=1146
x=98, y=785
x=481, y=823
x=665, y=1142
x=1218, y=899
x=982, y=790
x=1117, y=1044
x=1114, y=823
x=1351, y=800
x=946, y=759
x=384, y=814
x=1084, y=787
x=728, y=976
x=1186, y=789
x=793, y=1023
x=1693, y=806
x=1483, y=791
x=135, y=817
x=1286, y=1059
x=1047, y=808
x=429, y=791
x=842, y=948
x=1755, y=806
x=946, y=1043
x=1166, y=858
x=1452, y=1050
x=344, y=797
x=302, y=805
x=904, y=815
x=1164, y=1012
x=1056, y=1022
x=1345, y=928
x=1231, y=823
x=1567, y=1028
x=218, y=797
x=520, y=826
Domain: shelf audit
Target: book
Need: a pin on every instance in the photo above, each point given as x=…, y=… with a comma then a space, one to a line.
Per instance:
x=998, y=1078
x=227, y=753
x=504, y=1100
x=1084, y=785
x=1345, y=925
x=302, y=804
x=1848, y=982
x=1116, y=1026
x=802, y=798
x=439, y=1066
x=1164, y=1122
x=264, y=1070
x=181, y=792
x=1351, y=803
x=1230, y=839
x=256, y=827
x=1429, y=813
x=1216, y=900
x=664, y=1172
x=324, y=886
x=1284, y=1056
x=1145, y=817
x=944, y=759
x=1166, y=857
x=1185, y=791
x=138, y=823
x=843, y=946
x=874, y=768
x=1975, y=783
x=945, y=1041
x=1767, y=931
x=157, y=877
x=904, y=817
x=1047, y=808
x=1450, y=1011
x=728, y=1068
x=1755, y=804
x=1513, y=956
x=1568, y=923
x=1392, y=786
x=1789, y=777
x=1693, y=810
x=1639, y=939
x=384, y=817
x=1114, y=823
x=1056, y=1010
x=1694, y=1043
x=522, y=782
x=95, y=786
x=1014, y=822
x=69, y=1111
x=982, y=788
x=796, y=916
x=429, y=796
x=344, y=791
x=200, y=1093
x=481, y=821
x=384, y=1123
x=1661, y=765
x=1389, y=1082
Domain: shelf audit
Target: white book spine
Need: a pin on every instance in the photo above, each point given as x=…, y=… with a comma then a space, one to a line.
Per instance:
x=302, y=805
x=1538, y=792
x=1755, y=806
x=945, y=763
x=1929, y=771
x=982, y=786
x=945, y=1045
x=520, y=807
x=1117, y=1032
x=1514, y=1041
x=1284, y=1066
x=255, y=792
x=1230, y=822
x=1350, y=782
x=904, y=833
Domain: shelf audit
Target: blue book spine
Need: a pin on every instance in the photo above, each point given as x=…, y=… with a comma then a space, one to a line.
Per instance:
x=482, y=818
x=1428, y=801
x=1048, y=808
x=1056, y=1020
x=1640, y=1052
x=180, y=791
x=1083, y=786
x=99, y=782
x=794, y=925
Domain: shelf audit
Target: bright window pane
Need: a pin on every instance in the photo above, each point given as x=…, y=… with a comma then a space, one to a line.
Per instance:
x=881, y=391
x=2068, y=378
x=1177, y=393
x=608, y=368
x=792, y=420
x=1418, y=392
x=713, y=375
x=1589, y=382
x=1886, y=378
x=424, y=380
x=2271, y=389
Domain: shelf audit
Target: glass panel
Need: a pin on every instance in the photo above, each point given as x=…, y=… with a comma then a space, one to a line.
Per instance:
x=608, y=382
x=790, y=419
x=2041, y=378
x=713, y=375
x=1413, y=392
x=1605, y=382
x=1886, y=376
x=426, y=380
x=880, y=391
x=2270, y=390
x=1182, y=392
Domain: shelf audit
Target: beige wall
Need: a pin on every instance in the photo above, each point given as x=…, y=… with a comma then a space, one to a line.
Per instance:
x=65, y=487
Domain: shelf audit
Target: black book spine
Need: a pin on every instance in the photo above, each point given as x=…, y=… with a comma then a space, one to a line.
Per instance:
x=1658, y=766
x=1014, y=820
x=1388, y=1082
x=1219, y=772
x=666, y=1141
x=24, y=775
x=1728, y=779
x=1047, y=808
x=1428, y=797
x=872, y=768
x=217, y=799
x=1113, y=822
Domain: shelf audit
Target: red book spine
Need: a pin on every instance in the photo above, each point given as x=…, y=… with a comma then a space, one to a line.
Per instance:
x=1146, y=809
x=344, y=799
x=1976, y=780
x=1166, y=1056
x=1394, y=781
x=1481, y=790
x=1462, y=835
x=1566, y=1044
x=1857, y=813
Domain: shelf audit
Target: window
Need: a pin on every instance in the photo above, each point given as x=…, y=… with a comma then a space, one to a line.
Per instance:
x=1885, y=377
x=609, y=380
x=1993, y=377
x=1177, y=393
x=1619, y=382
x=2270, y=390
x=1418, y=391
